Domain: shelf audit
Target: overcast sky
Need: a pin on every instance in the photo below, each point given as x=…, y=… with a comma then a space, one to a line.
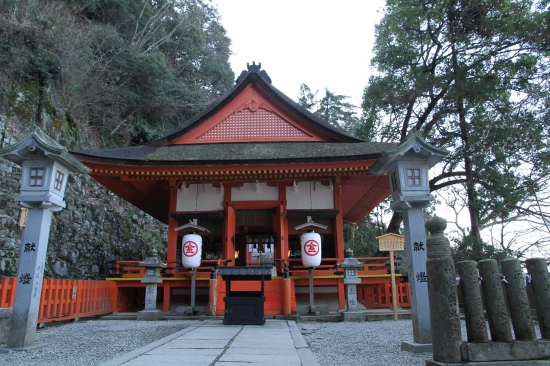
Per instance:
x=317, y=42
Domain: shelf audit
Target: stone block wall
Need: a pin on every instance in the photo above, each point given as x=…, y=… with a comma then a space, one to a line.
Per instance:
x=95, y=229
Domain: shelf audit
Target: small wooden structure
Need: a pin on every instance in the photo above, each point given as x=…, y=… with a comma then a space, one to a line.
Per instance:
x=392, y=242
x=244, y=307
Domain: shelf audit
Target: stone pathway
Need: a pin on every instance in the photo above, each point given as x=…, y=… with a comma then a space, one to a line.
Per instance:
x=278, y=342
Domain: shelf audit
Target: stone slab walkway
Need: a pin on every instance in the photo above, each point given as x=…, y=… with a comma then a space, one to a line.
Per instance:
x=278, y=342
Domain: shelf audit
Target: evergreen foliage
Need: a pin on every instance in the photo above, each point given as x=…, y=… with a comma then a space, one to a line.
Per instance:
x=332, y=107
x=110, y=71
x=101, y=73
x=473, y=77
x=361, y=238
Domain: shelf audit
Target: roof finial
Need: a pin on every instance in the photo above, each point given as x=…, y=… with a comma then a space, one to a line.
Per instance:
x=254, y=67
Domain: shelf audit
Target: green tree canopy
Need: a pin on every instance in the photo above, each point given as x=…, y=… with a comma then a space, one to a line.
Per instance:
x=331, y=107
x=472, y=75
x=125, y=70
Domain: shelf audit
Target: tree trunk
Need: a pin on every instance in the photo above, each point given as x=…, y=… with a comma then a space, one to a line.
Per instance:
x=466, y=148
x=395, y=223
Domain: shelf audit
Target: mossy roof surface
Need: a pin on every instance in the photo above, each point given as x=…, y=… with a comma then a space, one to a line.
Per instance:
x=243, y=152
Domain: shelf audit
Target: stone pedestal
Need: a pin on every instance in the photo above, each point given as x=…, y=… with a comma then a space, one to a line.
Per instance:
x=415, y=247
x=149, y=315
x=540, y=286
x=444, y=312
x=5, y=314
x=150, y=312
x=30, y=269
x=352, y=316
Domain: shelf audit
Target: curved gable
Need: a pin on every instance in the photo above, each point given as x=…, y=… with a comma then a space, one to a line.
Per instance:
x=252, y=116
x=254, y=125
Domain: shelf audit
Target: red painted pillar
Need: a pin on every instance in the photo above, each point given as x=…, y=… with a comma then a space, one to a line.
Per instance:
x=338, y=221
x=212, y=296
x=339, y=238
x=286, y=296
x=171, y=248
x=172, y=224
x=283, y=226
x=229, y=237
x=167, y=295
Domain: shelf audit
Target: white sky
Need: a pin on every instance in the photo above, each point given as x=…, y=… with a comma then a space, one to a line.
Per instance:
x=317, y=42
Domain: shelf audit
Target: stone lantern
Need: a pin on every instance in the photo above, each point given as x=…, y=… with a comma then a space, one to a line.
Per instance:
x=151, y=279
x=351, y=268
x=45, y=168
x=407, y=168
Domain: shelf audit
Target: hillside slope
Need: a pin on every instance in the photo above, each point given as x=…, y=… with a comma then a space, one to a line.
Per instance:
x=100, y=73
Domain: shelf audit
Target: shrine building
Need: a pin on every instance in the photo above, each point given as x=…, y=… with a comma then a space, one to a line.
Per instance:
x=250, y=168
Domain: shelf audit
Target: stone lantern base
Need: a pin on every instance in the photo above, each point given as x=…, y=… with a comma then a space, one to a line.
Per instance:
x=150, y=315
x=352, y=316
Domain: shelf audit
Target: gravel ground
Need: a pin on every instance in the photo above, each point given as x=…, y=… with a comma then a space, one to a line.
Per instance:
x=93, y=342
x=369, y=343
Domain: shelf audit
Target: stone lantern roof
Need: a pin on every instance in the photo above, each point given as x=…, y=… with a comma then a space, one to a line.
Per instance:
x=350, y=261
x=37, y=139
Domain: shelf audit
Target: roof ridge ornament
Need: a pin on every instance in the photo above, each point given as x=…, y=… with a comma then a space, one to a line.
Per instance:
x=253, y=68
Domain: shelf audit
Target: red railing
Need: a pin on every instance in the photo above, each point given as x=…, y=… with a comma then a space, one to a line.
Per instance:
x=378, y=295
x=371, y=265
x=131, y=269
x=7, y=292
x=66, y=299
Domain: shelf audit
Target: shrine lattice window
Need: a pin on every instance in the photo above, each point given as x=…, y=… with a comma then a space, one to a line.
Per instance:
x=58, y=180
x=413, y=177
x=36, y=177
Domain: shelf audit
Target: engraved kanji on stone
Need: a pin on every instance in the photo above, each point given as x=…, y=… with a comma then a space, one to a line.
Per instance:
x=25, y=279
x=418, y=246
x=29, y=247
x=421, y=277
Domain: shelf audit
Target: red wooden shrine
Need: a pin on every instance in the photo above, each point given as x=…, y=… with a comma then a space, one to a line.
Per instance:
x=251, y=167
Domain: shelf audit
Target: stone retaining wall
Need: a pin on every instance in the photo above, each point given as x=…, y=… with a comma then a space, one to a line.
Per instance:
x=94, y=229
